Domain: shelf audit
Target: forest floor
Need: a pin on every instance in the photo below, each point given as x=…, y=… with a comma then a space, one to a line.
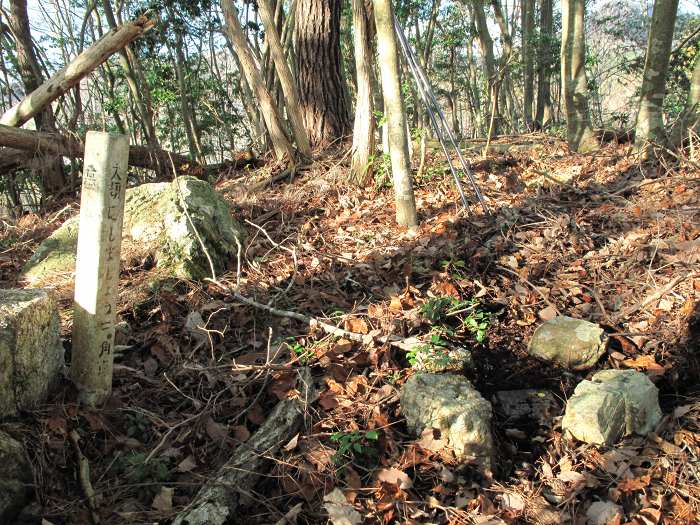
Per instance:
x=617, y=243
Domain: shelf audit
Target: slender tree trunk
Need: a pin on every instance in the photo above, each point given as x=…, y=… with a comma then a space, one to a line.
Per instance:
x=650, y=125
x=280, y=141
x=690, y=118
x=51, y=170
x=406, y=214
x=544, y=64
x=363, y=137
x=528, y=27
x=580, y=134
x=322, y=90
x=285, y=78
x=486, y=45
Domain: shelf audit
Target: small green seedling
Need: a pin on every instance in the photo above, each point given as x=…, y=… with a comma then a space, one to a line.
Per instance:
x=355, y=447
x=303, y=354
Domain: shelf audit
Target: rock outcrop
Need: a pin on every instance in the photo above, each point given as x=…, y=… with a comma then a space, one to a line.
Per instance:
x=615, y=403
x=572, y=343
x=450, y=404
x=31, y=353
x=155, y=224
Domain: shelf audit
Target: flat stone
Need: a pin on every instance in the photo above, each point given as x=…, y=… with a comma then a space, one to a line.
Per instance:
x=527, y=406
x=31, y=353
x=613, y=404
x=572, y=343
x=155, y=224
x=450, y=404
x=15, y=478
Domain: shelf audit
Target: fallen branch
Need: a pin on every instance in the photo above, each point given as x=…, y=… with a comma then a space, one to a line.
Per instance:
x=625, y=314
x=84, y=477
x=40, y=142
x=84, y=64
x=217, y=502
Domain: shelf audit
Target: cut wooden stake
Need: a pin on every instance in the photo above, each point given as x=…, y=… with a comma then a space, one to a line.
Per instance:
x=97, y=264
x=84, y=64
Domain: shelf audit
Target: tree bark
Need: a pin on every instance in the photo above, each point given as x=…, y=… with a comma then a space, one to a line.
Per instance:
x=284, y=75
x=280, y=142
x=70, y=75
x=543, y=116
x=363, y=137
x=388, y=57
x=322, y=91
x=649, y=129
x=580, y=134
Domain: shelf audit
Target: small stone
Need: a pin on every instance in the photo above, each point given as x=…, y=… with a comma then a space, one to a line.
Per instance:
x=527, y=406
x=604, y=513
x=15, y=478
x=31, y=353
x=450, y=404
x=572, y=343
x=613, y=404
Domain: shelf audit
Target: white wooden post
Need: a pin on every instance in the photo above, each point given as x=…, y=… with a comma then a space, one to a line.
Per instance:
x=97, y=264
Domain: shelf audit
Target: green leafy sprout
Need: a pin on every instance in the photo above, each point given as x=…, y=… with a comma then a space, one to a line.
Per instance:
x=355, y=447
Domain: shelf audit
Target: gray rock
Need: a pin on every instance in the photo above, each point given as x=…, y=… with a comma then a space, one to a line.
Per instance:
x=450, y=404
x=15, y=478
x=31, y=353
x=528, y=405
x=613, y=404
x=155, y=223
x=573, y=343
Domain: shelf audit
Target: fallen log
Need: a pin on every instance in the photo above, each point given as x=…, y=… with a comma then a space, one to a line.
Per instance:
x=219, y=500
x=72, y=73
x=21, y=145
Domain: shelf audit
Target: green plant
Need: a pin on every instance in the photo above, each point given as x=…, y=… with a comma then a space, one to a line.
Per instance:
x=303, y=354
x=382, y=171
x=470, y=315
x=137, y=425
x=135, y=469
x=455, y=267
x=355, y=447
x=434, y=353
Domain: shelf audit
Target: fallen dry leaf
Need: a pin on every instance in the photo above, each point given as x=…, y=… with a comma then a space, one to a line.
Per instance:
x=340, y=512
x=164, y=500
x=395, y=476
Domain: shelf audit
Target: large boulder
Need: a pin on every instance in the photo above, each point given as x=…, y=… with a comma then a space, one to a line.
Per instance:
x=15, y=478
x=155, y=223
x=450, y=404
x=572, y=343
x=614, y=403
x=31, y=353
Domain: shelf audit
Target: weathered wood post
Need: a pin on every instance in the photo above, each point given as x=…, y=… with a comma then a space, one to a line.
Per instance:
x=97, y=264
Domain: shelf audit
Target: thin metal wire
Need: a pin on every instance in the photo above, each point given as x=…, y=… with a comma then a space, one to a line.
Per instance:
x=432, y=106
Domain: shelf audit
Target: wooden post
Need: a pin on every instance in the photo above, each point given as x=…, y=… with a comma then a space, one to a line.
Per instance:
x=97, y=264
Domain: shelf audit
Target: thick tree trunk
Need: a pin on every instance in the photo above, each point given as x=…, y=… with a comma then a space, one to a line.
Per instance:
x=322, y=91
x=388, y=57
x=580, y=134
x=68, y=77
x=363, y=137
x=528, y=27
x=280, y=142
x=284, y=75
x=650, y=125
x=544, y=63
x=51, y=171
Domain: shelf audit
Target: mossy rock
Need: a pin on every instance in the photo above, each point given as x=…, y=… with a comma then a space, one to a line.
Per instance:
x=155, y=223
